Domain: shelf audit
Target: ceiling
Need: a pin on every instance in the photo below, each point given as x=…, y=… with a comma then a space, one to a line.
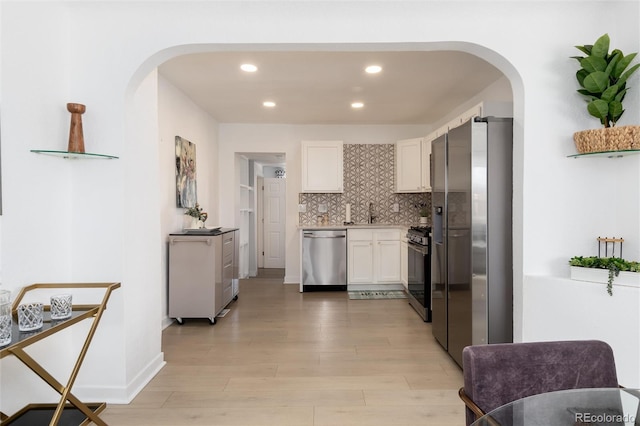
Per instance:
x=414, y=87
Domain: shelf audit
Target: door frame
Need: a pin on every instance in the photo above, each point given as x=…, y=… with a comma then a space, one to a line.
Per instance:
x=260, y=221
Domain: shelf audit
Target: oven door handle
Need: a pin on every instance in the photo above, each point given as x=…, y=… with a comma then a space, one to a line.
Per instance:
x=420, y=249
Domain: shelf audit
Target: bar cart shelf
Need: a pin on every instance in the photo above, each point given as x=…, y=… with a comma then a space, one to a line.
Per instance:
x=69, y=410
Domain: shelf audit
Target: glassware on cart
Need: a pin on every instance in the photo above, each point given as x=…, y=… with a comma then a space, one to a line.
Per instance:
x=61, y=306
x=30, y=316
x=5, y=322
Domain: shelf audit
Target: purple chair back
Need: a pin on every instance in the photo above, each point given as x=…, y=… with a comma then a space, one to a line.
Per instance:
x=497, y=374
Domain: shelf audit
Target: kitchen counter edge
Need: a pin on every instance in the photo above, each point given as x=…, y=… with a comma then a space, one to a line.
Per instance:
x=364, y=226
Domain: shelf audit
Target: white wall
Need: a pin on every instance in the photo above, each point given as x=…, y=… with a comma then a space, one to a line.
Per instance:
x=497, y=100
x=72, y=221
x=179, y=116
x=563, y=309
x=53, y=200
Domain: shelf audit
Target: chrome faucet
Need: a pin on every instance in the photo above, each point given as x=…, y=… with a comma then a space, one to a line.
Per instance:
x=371, y=215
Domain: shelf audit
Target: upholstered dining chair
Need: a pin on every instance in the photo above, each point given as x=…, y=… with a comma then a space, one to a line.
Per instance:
x=497, y=374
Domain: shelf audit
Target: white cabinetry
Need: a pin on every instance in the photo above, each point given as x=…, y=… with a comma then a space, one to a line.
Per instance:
x=412, y=165
x=360, y=255
x=386, y=257
x=408, y=164
x=374, y=256
x=322, y=168
x=426, y=163
x=404, y=263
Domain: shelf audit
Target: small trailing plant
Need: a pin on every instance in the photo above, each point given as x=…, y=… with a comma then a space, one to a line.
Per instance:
x=196, y=211
x=613, y=264
x=603, y=78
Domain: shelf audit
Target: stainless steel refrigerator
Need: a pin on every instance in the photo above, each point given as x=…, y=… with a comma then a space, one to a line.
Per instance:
x=471, y=258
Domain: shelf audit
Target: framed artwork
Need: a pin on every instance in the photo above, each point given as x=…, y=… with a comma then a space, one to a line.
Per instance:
x=186, y=188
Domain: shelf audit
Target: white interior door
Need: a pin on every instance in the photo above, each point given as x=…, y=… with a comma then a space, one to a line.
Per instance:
x=274, y=222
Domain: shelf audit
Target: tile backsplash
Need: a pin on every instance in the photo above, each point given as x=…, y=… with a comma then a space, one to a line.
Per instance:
x=368, y=178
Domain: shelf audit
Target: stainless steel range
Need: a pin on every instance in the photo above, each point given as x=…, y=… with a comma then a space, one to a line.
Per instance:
x=419, y=270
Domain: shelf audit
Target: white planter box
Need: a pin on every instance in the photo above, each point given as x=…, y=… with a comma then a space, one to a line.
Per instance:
x=597, y=275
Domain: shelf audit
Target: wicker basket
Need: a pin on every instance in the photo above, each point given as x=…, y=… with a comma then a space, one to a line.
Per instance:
x=607, y=139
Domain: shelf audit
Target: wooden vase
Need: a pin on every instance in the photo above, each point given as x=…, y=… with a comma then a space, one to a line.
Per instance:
x=76, y=138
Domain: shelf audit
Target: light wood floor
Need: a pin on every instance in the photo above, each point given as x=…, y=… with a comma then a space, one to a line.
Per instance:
x=281, y=357
x=271, y=273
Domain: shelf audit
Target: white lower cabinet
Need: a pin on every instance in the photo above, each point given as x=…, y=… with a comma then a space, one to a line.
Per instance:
x=404, y=264
x=386, y=257
x=360, y=255
x=374, y=256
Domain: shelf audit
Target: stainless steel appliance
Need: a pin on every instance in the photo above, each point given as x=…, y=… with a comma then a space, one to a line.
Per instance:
x=324, y=259
x=471, y=256
x=419, y=270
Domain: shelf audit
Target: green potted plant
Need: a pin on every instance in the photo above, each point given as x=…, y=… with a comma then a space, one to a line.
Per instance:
x=423, y=211
x=193, y=215
x=613, y=265
x=603, y=79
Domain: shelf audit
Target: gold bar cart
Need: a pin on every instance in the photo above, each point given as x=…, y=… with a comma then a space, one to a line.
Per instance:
x=69, y=410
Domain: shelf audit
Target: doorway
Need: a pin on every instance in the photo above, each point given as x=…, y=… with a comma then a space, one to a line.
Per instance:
x=266, y=224
x=254, y=142
x=274, y=221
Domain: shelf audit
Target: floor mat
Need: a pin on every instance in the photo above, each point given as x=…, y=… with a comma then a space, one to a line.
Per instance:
x=377, y=294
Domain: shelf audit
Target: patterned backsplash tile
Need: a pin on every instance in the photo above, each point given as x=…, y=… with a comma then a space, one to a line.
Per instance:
x=368, y=178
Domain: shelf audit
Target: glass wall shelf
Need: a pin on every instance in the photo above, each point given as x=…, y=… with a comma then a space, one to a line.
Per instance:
x=74, y=155
x=607, y=154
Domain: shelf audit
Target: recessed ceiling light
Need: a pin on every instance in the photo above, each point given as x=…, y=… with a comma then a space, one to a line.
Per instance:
x=269, y=104
x=248, y=68
x=357, y=105
x=373, y=69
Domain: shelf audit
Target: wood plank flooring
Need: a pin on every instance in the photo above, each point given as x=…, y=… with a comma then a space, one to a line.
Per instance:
x=281, y=357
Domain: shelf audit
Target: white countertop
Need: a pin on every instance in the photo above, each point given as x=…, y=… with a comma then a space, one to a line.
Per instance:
x=359, y=226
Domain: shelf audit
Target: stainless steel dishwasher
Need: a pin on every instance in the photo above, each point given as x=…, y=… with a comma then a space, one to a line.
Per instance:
x=324, y=259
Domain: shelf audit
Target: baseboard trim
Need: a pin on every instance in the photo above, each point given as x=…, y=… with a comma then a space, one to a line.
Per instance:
x=166, y=322
x=292, y=279
x=122, y=395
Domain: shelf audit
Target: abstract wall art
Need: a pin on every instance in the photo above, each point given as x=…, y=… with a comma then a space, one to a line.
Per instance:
x=186, y=188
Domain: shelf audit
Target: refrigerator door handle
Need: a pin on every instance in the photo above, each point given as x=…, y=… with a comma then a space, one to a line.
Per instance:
x=438, y=225
x=431, y=171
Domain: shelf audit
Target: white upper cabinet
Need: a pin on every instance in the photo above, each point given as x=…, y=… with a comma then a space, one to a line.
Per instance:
x=413, y=165
x=408, y=163
x=322, y=166
x=426, y=162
